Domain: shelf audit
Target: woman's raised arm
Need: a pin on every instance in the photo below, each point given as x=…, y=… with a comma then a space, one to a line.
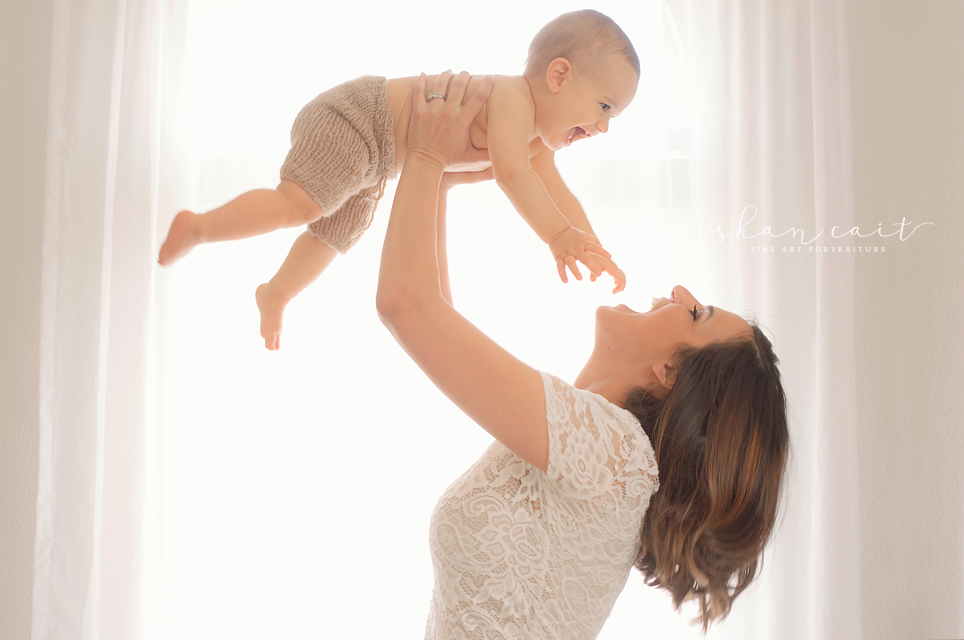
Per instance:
x=500, y=393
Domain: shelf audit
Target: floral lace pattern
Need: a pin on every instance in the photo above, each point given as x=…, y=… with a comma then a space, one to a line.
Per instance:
x=519, y=553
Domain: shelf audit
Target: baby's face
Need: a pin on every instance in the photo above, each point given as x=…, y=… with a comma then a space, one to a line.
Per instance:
x=585, y=103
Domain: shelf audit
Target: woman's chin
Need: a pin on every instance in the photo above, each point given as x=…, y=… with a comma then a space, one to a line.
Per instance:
x=619, y=308
x=610, y=320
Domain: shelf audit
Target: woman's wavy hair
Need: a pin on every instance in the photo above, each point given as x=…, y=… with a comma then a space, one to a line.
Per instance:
x=722, y=444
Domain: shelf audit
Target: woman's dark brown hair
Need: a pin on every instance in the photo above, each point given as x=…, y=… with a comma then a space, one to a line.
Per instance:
x=721, y=443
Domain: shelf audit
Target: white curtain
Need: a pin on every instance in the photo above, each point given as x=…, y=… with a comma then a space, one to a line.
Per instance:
x=111, y=161
x=771, y=137
x=762, y=121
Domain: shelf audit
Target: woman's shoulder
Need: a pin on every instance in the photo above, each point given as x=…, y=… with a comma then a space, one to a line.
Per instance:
x=595, y=445
x=569, y=394
x=581, y=409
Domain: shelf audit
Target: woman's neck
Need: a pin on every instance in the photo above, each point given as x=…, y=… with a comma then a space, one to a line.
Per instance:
x=601, y=381
x=612, y=380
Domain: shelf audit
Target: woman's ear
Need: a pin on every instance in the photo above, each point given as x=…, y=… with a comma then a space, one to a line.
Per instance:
x=557, y=74
x=665, y=374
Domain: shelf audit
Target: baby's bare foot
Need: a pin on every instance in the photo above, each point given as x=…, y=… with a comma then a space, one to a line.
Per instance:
x=181, y=238
x=272, y=308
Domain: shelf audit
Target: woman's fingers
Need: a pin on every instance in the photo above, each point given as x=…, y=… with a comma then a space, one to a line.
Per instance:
x=456, y=88
x=418, y=94
x=442, y=85
x=474, y=104
x=439, y=127
x=471, y=109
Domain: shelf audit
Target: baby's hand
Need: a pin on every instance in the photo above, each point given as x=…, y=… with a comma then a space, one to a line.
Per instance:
x=607, y=265
x=573, y=245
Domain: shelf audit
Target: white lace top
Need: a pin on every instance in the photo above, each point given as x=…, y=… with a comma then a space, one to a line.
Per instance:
x=519, y=553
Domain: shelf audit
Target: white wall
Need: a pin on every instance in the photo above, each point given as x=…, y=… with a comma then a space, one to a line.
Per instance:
x=907, y=75
x=24, y=58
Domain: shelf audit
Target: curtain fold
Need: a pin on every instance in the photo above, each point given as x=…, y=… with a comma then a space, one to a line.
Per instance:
x=770, y=137
x=773, y=188
x=105, y=140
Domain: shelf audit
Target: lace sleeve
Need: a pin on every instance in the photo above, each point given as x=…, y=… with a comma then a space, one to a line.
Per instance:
x=595, y=446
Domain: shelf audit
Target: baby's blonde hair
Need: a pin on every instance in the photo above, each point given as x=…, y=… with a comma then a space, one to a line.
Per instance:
x=584, y=38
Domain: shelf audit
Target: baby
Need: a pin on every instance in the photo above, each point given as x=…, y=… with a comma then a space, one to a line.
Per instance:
x=581, y=71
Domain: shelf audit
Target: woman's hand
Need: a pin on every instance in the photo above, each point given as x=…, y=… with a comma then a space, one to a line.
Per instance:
x=439, y=129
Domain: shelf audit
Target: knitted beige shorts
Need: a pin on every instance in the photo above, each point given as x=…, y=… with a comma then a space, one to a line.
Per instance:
x=342, y=152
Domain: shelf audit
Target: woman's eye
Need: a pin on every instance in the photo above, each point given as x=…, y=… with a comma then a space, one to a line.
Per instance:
x=695, y=313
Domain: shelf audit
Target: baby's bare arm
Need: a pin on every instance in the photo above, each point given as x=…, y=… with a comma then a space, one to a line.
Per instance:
x=510, y=123
x=544, y=165
x=510, y=128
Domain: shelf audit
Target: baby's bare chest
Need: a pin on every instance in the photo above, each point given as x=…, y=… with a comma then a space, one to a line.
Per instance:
x=400, y=103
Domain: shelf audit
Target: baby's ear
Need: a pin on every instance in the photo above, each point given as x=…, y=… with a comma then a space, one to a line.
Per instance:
x=559, y=71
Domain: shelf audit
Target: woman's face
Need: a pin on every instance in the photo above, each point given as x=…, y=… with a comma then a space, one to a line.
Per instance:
x=653, y=337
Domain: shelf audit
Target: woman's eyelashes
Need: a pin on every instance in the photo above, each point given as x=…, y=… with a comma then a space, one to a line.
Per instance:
x=695, y=313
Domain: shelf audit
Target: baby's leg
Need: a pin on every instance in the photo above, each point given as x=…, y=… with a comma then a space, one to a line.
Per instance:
x=308, y=259
x=250, y=214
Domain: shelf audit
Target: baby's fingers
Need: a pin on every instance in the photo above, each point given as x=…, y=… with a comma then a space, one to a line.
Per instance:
x=561, y=268
x=573, y=267
x=588, y=260
x=595, y=247
x=619, y=278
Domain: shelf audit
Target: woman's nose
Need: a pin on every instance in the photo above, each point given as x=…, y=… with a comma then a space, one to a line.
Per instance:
x=682, y=296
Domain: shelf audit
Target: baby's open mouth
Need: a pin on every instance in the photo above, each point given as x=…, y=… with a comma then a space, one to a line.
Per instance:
x=576, y=131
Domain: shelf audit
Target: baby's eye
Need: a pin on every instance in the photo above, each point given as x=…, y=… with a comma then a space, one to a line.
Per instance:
x=605, y=107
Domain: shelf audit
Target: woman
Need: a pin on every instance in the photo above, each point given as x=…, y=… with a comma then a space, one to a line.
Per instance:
x=667, y=453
